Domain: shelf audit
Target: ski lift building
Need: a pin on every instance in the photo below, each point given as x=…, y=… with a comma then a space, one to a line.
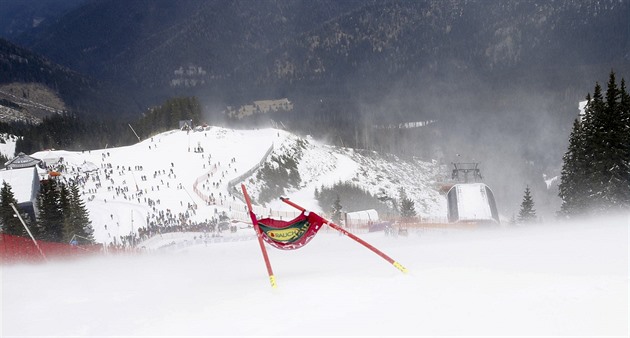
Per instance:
x=472, y=203
x=470, y=200
x=23, y=161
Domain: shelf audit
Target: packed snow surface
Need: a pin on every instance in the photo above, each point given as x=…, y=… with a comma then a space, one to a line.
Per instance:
x=563, y=279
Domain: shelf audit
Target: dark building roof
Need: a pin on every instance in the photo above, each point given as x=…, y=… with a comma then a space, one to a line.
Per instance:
x=22, y=161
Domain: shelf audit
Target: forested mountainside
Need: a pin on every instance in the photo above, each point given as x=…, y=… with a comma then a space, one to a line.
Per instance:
x=496, y=82
x=37, y=87
x=282, y=48
x=349, y=66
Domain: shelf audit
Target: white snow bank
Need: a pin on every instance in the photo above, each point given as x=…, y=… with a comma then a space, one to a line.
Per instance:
x=548, y=280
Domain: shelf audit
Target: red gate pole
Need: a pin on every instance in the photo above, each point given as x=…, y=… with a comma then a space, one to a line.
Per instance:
x=17, y=213
x=272, y=278
x=352, y=236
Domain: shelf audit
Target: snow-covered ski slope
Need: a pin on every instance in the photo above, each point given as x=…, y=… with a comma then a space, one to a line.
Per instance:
x=124, y=186
x=560, y=280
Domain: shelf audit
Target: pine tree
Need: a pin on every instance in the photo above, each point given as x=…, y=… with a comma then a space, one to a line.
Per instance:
x=617, y=142
x=572, y=188
x=610, y=143
x=594, y=149
x=407, y=206
x=336, y=210
x=608, y=140
x=513, y=220
x=10, y=223
x=527, y=214
x=76, y=220
x=624, y=117
x=64, y=197
x=50, y=219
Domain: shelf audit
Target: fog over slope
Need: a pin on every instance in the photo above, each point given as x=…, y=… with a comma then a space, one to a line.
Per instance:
x=554, y=279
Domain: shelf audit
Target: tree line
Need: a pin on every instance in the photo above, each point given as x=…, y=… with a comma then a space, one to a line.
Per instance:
x=76, y=132
x=595, y=177
x=167, y=116
x=343, y=197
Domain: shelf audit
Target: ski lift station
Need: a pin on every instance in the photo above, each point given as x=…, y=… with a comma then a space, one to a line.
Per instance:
x=469, y=200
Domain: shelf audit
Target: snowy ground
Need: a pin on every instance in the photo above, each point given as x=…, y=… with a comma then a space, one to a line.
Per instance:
x=544, y=280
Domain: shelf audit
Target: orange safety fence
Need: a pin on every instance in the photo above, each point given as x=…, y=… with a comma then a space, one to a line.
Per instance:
x=16, y=249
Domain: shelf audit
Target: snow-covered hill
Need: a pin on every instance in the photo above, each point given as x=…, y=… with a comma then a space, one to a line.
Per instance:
x=169, y=179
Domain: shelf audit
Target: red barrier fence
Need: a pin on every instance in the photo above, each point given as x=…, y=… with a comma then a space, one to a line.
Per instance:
x=15, y=249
